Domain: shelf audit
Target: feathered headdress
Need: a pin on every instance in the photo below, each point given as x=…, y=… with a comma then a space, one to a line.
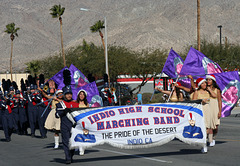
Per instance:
x=67, y=77
x=14, y=84
x=105, y=77
x=35, y=80
x=9, y=84
x=67, y=81
x=23, y=86
x=3, y=84
x=27, y=83
x=30, y=79
x=41, y=81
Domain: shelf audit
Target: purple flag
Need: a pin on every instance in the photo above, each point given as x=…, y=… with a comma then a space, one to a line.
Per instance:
x=58, y=78
x=198, y=65
x=78, y=78
x=93, y=97
x=229, y=84
x=78, y=82
x=173, y=64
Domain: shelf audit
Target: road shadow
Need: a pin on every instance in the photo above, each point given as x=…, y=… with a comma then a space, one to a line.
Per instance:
x=51, y=145
x=3, y=140
x=221, y=142
x=76, y=153
x=58, y=160
x=132, y=156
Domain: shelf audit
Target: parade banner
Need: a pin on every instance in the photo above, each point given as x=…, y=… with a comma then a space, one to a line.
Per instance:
x=139, y=126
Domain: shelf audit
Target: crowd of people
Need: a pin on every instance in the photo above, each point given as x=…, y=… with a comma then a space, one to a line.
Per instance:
x=48, y=109
x=38, y=107
x=210, y=94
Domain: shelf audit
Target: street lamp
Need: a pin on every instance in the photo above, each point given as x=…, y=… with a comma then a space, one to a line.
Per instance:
x=106, y=51
x=220, y=27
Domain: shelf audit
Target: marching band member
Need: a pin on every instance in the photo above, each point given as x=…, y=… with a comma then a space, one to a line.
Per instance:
x=32, y=109
x=41, y=115
x=66, y=124
x=19, y=109
x=62, y=112
x=53, y=123
x=7, y=120
x=106, y=95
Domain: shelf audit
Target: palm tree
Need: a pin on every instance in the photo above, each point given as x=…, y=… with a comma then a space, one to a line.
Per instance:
x=57, y=12
x=33, y=67
x=10, y=29
x=97, y=27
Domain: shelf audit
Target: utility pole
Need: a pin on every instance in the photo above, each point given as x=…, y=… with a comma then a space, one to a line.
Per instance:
x=220, y=34
x=198, y=24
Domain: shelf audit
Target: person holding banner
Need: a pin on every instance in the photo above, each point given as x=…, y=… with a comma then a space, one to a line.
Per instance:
x=215, y=105
x=176, y=94
x=53, y=123
x=62, y=112
x=189, y=91
x=203, y=94
x=82, y=100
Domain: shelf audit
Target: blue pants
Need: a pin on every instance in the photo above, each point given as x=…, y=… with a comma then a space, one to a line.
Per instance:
x=0, y=119
x=15, y=114
x=32, y=115
x=42, y=119
x=66, y=135
x=7, y=123
x=22, y=119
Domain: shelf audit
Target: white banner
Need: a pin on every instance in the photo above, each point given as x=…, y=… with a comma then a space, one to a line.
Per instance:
x=139, y=126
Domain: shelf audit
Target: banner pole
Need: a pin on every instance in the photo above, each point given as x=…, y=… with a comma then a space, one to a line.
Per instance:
x=171, y=91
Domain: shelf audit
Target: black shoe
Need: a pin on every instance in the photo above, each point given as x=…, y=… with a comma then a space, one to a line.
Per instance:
x=25, y=133
x=8, y=139
x=68, y=161
x=43, y=137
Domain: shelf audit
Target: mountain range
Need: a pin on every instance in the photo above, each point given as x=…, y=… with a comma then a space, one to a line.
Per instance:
x=136, y=24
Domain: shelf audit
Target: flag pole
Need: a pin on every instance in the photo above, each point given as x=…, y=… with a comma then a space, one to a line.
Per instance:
x=154, y=89
x=172, y=91
x=192, y=75
x=48, y=104
x=46, y=107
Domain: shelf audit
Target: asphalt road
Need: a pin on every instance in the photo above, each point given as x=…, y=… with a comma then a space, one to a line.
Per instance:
x=27, y=151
